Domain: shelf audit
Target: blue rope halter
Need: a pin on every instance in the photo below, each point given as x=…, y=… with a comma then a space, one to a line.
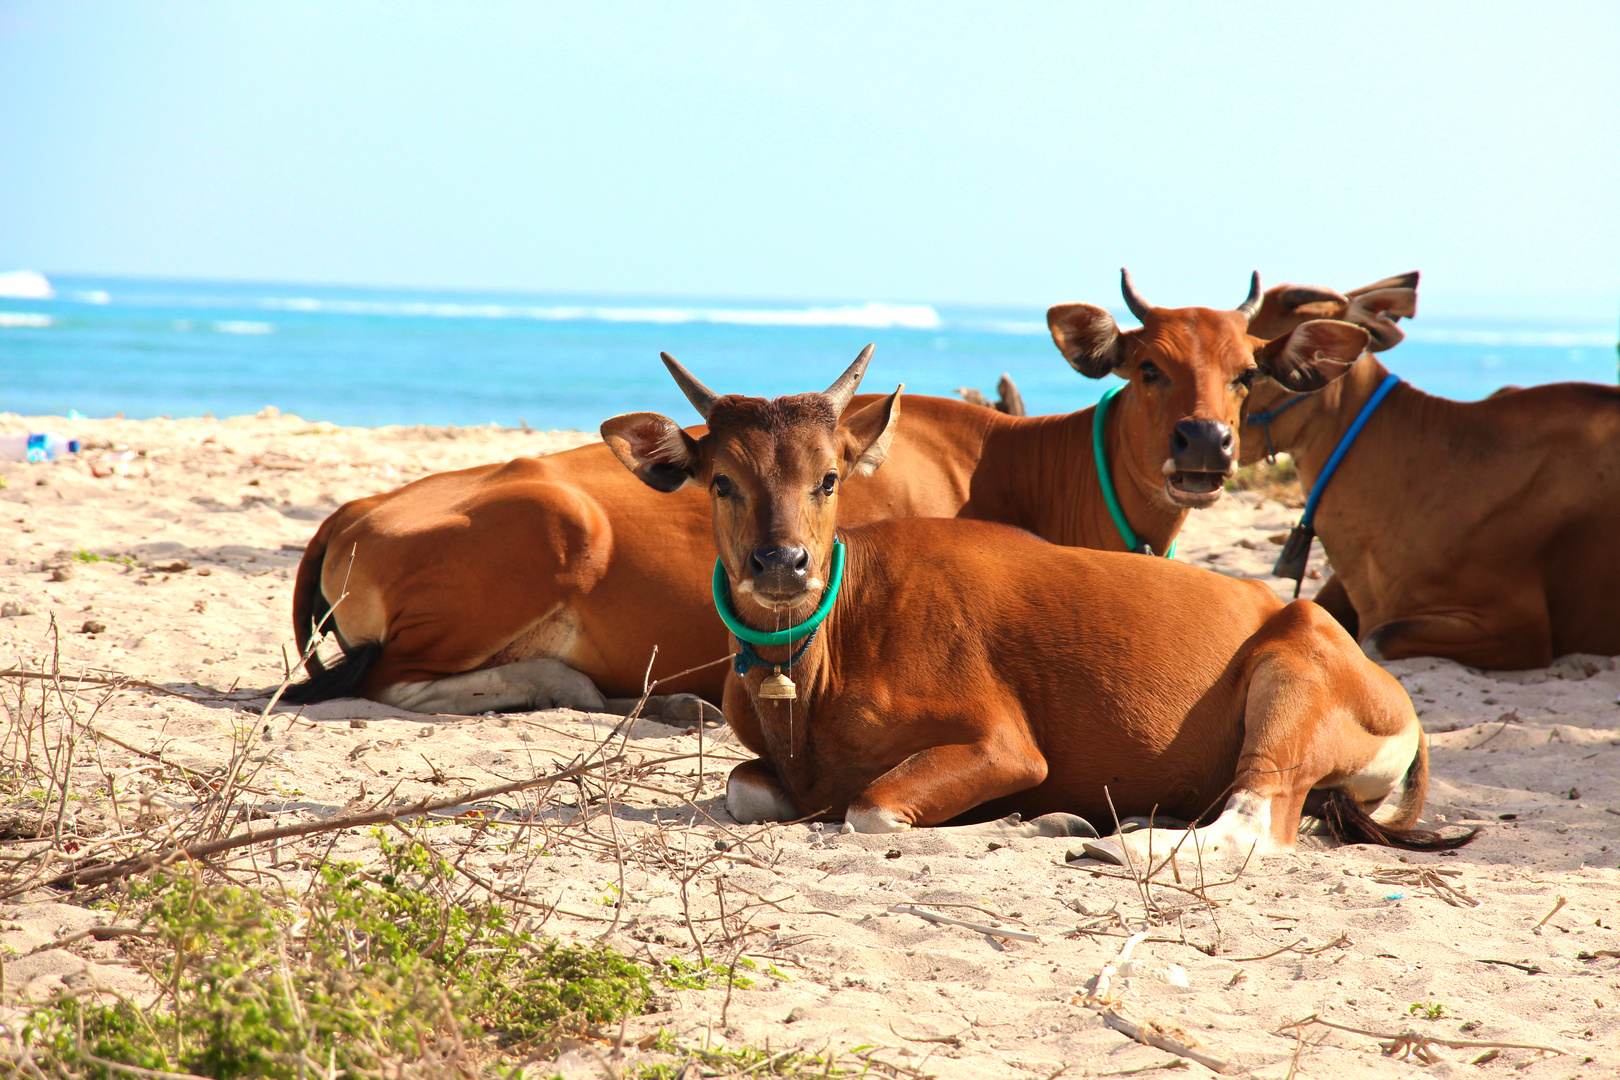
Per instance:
x=1296, y=551
x=747, y=659
x=1265, y=418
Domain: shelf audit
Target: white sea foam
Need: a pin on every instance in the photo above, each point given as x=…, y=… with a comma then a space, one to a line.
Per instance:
x=93, y=296
x=25, y=285
x=870, y=316
x=239, y=327
x=24, y=319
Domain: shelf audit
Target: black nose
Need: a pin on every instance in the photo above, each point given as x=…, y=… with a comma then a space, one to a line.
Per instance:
x=1202, y=446
x=780, y=569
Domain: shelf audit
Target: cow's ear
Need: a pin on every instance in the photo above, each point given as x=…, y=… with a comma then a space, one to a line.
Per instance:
x=868, y=432
x=1283, y=307
x=654, y=448
x=1088, y=338
x=1313, y=355
x=1380, y=309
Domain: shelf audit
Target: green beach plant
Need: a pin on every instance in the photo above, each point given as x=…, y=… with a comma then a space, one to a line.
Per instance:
x=366, y=973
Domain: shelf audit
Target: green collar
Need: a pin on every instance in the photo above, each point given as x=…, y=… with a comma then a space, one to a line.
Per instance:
x=1104, y=478
x=722, y=604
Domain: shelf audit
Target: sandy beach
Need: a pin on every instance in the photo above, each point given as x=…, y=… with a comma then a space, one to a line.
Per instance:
x=165, y=552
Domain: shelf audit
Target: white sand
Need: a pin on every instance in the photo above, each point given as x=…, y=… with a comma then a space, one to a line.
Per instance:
x=238, y=498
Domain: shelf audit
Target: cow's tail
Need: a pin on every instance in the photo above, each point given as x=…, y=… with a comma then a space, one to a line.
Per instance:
x=1350, y=824
x=310, y=607
x=346, y=678
x=311, y=619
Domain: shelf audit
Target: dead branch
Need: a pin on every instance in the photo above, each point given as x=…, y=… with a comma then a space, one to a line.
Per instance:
x=946, y=920
x=121, y=682
x=1342, y=939
x=1412, y=1044
x=82, y=876
x=1152, y=1036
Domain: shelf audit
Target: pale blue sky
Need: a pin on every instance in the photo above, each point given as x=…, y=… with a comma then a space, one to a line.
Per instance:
x=996, y=152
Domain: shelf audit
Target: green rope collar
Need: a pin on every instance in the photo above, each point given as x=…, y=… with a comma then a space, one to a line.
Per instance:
x=722, y=604
x=1098, y=452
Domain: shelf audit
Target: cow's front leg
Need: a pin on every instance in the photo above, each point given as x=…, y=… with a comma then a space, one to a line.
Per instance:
x=754, y=795
x=937, y=784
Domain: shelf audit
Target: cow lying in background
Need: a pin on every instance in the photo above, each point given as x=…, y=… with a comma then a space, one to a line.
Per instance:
x=1483, y=532
x=549, y=581
x=971, y=670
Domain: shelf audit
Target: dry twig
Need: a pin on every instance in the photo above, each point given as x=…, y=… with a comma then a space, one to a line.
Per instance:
x=946, y=920
x=1413, y=1044
x=81, y=876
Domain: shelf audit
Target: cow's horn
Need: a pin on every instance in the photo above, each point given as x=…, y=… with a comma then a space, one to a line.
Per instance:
x=847, y=383
x=701, y=397
x=1252, y=305
x=1139, y=307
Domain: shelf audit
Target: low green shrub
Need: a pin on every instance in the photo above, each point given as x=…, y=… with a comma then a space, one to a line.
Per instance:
x=368, y=972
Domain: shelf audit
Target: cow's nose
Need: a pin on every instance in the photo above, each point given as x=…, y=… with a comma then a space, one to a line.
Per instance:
x=1202, y=446
x=780, y=569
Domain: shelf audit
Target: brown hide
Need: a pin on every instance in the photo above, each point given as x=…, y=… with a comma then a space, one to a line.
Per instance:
x=1480, y=531
x=463, y=570
x=570, y=557
x=970, y=669
x=1078, y=669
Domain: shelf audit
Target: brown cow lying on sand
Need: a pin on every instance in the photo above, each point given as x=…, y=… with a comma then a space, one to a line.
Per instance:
x=549, y=581
x=1482, y=531
x=969, y=669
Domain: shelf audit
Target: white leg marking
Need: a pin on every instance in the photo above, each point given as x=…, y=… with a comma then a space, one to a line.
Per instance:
x=752, y=801
x=1387, y=770
x=1243, y=826
x=872, y=819
x=524, y=684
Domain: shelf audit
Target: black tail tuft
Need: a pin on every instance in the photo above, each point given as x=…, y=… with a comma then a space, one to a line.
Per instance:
x=1350, y=824
x=346, y=678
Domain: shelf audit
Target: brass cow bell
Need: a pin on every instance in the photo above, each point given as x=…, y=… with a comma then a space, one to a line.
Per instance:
x=778, y=687
x=1295, y=554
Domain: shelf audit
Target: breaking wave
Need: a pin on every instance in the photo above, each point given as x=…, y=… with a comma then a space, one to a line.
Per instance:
x=870, y=316
x=25, y=285
x=24, y=319
x=873, y=315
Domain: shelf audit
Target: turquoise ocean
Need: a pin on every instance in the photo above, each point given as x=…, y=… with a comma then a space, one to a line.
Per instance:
x=358, y=356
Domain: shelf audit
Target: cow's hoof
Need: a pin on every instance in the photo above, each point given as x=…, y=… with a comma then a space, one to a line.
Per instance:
x=1061, y=825
x=687, y=709
x=1108, y=851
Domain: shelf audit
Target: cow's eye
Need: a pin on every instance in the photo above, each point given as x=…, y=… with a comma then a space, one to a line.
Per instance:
x=829, y=483
x=723, y=487
x=1246, y=380
x=1150, y=372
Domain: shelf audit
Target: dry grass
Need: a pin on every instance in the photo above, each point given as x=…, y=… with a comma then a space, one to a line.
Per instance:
x=120, y=828
x=1277, y=480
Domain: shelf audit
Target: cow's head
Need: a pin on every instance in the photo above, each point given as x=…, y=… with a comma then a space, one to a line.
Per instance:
x=1375, y=308
x=774, y=470
x=1189, y=372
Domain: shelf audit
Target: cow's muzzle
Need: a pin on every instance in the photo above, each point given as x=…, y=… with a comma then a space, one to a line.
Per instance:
x=1200, y=461
x=781, y=573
